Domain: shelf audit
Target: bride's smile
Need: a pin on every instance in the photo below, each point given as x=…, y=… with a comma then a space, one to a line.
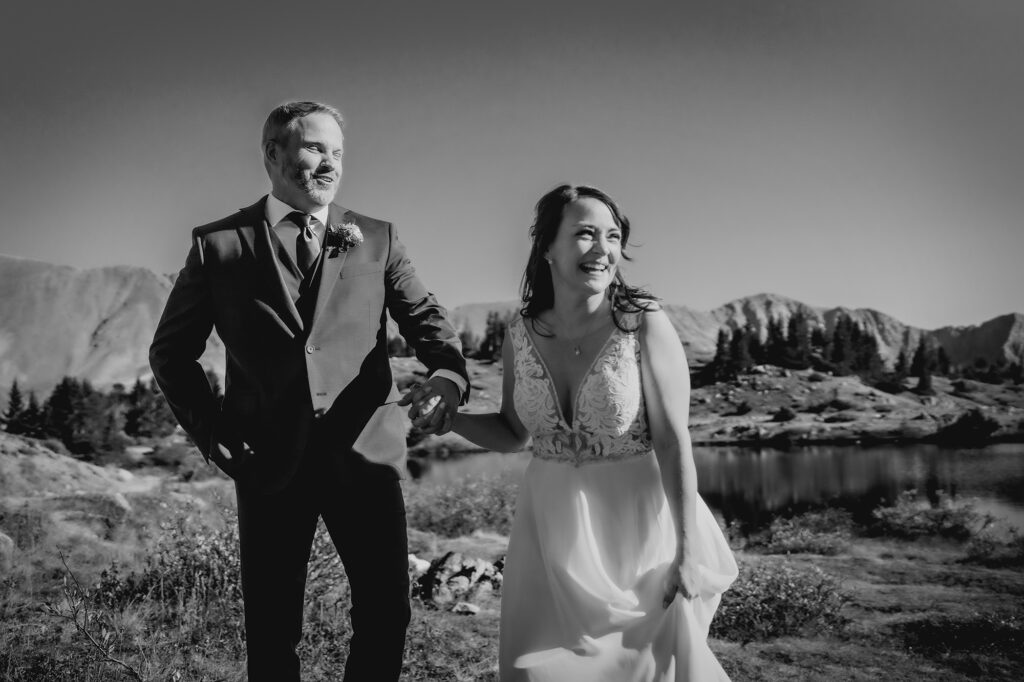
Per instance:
x=585, y=253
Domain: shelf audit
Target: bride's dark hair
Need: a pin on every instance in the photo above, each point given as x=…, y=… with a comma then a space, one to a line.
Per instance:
x=538, y=291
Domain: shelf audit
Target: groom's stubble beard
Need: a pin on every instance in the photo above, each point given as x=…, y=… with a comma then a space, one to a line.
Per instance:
x=316, y=185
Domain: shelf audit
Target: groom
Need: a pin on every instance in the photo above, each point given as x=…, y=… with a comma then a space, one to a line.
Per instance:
x=310, y=425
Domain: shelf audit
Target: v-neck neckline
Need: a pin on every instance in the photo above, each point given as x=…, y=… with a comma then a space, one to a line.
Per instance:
x=583, y=379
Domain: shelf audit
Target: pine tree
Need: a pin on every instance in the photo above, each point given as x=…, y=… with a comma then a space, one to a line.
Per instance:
x=867, y=363
x=494, y=336
x=922, y=366
x=942, y=362
x=32, y=417
x=923, y=358
x=902, y=368
x=740, y=357
x=720, y=366
x=819, y=340
x=1016, y=373
x=148, y=414
x=775, y=344
x=840, y=347
x=15, y=408
x=60, y=410
x=798, y=341
x=469, y=341
x=89, y=421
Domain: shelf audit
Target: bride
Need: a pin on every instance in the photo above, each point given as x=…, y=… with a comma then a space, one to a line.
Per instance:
x=615, y=565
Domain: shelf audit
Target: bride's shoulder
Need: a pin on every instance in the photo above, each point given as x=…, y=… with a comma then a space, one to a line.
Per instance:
x=638, y=318
x=656, y=326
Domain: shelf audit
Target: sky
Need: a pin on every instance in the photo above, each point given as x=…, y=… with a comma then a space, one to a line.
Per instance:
x=862, y=153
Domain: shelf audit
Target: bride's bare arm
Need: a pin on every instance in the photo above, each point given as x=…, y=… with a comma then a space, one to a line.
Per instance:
x=666, y=382
x=501, y=431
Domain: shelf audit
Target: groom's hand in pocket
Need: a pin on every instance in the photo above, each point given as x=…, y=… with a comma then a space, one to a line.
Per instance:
x=229, y=453
x=433, y=405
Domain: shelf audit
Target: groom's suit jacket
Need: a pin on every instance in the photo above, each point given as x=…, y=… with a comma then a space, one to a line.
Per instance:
x=294, y=366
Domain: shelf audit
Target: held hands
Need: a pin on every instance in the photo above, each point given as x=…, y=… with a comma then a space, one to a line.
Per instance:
x=682, y=578
x=433, y=405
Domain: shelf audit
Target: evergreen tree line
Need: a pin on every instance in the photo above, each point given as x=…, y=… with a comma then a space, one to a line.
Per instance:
x=487, y=347
x=847, y=350
x=91, y=422
x=799, y=344
x=930, y=358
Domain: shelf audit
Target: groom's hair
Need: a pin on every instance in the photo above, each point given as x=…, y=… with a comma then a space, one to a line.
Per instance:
x=284, y=114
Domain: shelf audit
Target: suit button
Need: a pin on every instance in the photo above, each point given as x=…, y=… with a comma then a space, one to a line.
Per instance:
x=310, y=349
x=319, y=412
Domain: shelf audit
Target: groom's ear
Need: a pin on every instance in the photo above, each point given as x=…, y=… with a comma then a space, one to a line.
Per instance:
x=270, y=150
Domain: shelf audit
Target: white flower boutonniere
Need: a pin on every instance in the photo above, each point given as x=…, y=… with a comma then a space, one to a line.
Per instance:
x=342, y=237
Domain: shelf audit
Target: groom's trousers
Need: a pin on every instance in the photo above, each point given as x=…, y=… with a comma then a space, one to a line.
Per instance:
x=362, y=507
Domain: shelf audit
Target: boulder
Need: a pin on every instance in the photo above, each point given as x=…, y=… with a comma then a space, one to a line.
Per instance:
x=454, y=577
x=417, y=566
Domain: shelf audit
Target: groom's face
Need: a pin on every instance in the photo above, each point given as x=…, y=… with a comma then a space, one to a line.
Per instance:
x=304, y=163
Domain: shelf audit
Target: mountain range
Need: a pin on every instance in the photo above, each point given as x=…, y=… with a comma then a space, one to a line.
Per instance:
x=1001, y=338
x=97, y=324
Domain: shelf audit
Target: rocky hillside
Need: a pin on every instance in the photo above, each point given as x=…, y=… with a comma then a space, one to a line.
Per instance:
x=97, y=324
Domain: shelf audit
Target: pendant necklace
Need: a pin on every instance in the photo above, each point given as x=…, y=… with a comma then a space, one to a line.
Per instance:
x=577, y=343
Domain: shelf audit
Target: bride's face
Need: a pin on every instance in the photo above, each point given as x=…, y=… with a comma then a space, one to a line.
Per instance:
x=586, y=251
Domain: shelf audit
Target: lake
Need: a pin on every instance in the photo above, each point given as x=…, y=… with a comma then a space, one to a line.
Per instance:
x=752, y=486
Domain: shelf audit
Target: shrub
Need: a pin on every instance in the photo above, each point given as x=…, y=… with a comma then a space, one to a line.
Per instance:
x=189, y=564
x=774, y=599
x=989, y=549
x=972, y=427
x=457, y=509
x=784, y=414
x=826, y=532
x=910, y=519
x=199, y=565
x=742, y=409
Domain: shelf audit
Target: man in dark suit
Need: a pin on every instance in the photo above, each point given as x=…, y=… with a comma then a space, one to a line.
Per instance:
x=310, y=425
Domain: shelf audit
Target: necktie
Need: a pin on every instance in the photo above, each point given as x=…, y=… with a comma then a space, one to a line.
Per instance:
x=307, y=244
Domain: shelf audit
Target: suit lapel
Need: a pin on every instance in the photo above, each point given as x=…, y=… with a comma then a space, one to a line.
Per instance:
x=271, y=293
x=330, y=269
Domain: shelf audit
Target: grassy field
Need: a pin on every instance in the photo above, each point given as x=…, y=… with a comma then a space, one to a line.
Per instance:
x=117, y=577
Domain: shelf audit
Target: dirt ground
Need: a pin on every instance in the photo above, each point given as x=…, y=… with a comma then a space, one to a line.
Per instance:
x=914, y=611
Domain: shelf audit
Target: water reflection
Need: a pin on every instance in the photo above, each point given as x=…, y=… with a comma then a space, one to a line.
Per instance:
x=753, y=486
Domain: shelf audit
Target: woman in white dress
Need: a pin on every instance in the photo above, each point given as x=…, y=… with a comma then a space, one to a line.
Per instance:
x=615, y=565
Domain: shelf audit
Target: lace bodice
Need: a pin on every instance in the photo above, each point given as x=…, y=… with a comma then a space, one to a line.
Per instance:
x=610, y=419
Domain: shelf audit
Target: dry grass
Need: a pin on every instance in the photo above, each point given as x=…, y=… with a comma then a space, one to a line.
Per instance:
x=929, y=608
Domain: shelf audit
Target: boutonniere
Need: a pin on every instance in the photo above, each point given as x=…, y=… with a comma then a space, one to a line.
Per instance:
x=342, y=237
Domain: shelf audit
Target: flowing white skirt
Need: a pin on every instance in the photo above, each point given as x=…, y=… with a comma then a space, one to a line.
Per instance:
x=585, y=574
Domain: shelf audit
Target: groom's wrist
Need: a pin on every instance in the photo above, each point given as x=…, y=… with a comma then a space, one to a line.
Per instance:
x=453, y=377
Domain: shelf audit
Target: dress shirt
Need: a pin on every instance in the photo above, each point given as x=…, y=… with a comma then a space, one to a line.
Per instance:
x=276, y=211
